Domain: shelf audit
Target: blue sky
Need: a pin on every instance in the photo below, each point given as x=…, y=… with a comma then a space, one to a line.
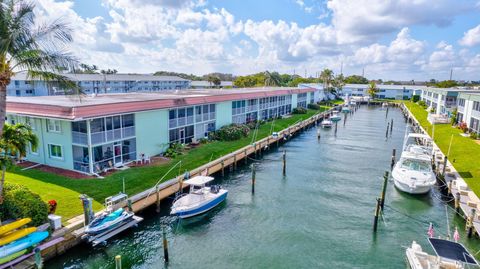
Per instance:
x=402, y=39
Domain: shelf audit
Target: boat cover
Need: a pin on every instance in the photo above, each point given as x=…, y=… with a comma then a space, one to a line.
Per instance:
x=452, y=250
x=198, y=180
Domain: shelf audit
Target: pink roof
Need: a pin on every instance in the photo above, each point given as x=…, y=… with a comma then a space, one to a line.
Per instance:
x=73, y=108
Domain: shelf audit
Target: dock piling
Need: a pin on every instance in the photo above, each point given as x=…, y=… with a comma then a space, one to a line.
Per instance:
x=284, y=169
x=223, y=169
x=118, y=262
x=38, y=258
x=165, y=245
x=253, y=178
x=388, y=127
x=457, y=202
x=318, y=133
x=384, y=189
x=157, y=202
x=392, y=163
x=445, y=160
x=391, y=127
x=449, y=188
x=377, y=212
x=336, y=127
x=129, y=205
x=470, y=223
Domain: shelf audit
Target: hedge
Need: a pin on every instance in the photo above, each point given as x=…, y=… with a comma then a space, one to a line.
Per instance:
x=313, y=106
x=231, y=132
x=19, y=202
x=299, y=110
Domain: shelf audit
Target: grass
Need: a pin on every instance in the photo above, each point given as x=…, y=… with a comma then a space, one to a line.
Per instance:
x=464, y=152
x=66, y=191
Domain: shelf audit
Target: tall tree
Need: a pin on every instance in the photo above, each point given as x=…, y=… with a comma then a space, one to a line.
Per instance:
x=327, y=77
x=338, y=83
x=15, y=141
x=272, y=79
x=214, y=80
x=372, y=89
x=35, y=49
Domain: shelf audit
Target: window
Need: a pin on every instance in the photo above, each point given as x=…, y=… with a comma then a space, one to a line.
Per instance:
x=54, y=126
x=30, y=122
x=55, y=151
x=476, y=106
x=461, y=102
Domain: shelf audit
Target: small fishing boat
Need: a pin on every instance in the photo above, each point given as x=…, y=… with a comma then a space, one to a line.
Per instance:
x=23, y=243
x=14, y=235
x=107, y=221
x=335, y=117
x=326, y=123
x=448, y=254
x=413, y=173
x=14, y=225
x=346, y=109
x=200, y=198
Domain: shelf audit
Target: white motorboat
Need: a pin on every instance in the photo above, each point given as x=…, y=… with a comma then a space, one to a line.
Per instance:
x=335, y=117
x=448, y=255
x=108, y=221
x=326, y=123
x=200, y=198
x=346, y=109
x=413, y=172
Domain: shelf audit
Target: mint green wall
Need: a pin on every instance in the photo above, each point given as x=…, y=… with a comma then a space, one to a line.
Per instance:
x=64, y=139
x=151, y=130
x=294, y=101
x=223, y=114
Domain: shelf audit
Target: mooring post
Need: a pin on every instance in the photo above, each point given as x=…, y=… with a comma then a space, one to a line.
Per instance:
x=386, y=133
x=118, y=262
x=318, y=133
x=336, y=127
x=392, y=164
x=253, y=178
x=245, y=156
x=87, y=204
x=445, y=160
x=223, y=169
x=234, y=162
x=449, y=188
x=38, y=258
x=457, y=202
x=391, y=127
x=384, y=189
x=165, y=245
x=470, y=223
x=284, y=169
x=386, y=114
x=157, y=202
x=377, y=212
x=345, y=119
x=129, y=205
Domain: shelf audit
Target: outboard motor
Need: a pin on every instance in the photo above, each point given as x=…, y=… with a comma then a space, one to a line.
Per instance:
x=215, y=188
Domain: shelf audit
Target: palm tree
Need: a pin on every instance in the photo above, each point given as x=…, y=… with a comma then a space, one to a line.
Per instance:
x=372, y=89
x=15, y=141
x=272, y=79
x=327, y=77
x=338, y=83
x=36, y=50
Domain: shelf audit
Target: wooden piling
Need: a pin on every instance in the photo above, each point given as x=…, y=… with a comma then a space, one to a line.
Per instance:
x=129, y=205
x=384, y=189
x=234, y=162
x=38, y=258
x=284, y=169
x=386, y=133
x=386, y=114
x=445, y=160
x=253, y=178
x=377, y=212
x=318, y=133
x=165, y=245
x=336, y=127
x=223, y=169
x=470, y=223
x=245, y=156
x=457, y=202
x=392, y=163
x=449, y=188
x=118, y=262
x=157, y=201
x=391, y=127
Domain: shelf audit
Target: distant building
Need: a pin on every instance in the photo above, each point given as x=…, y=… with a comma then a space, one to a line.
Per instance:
x=97, y=83
x=398, y=92
x=320, y=94
x=92, y=134
x=203, y=84
x=469, y=110
x=442, y=100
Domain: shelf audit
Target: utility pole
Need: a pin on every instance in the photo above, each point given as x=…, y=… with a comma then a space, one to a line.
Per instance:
x=363, y=72
x=341, y=68
x=451, y=73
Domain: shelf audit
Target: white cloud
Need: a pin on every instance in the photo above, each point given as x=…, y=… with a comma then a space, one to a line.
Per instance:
x=471, y=37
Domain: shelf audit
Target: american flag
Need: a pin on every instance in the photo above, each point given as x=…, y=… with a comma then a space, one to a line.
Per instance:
x=430, y=231
x=456, y=235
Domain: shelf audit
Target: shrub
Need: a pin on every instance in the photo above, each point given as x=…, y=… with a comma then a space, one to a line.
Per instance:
x=474, y=135
x=203, y=140
x=174, y=150
x=19, y=202
x=231, y=132
x=422, y=104
x=299, y=110
x=313, y=106
x=463, y=126
x=415, y=98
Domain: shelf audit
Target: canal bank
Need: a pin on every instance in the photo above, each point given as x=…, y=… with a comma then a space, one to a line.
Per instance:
x=319, y=215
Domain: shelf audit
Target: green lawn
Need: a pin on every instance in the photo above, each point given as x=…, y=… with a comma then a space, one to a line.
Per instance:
x=66, y=191
x=464, y=152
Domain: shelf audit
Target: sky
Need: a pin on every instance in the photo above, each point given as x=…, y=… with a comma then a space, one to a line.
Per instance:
x=384, y=39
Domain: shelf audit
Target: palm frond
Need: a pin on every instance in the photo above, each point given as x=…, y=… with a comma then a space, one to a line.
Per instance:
x=56, y=80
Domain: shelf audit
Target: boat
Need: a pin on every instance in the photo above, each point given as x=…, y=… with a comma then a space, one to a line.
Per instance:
x=413, y=172
x=14, y=235
x=14, y=225
x=107, y=221
x=200, y=198
x=23, y=243
x=448, y=254
x=335, y=117
x=346, y=109
x=326, y=123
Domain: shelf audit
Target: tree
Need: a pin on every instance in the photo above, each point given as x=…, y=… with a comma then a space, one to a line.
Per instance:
x=338, y=83
x=446, y=84
x=327, y=77
x=354, y=79
x=15, y=141
x=272, y=79
x=214, y=80
x=372, y=89
x=109, y=71
x=33, y=49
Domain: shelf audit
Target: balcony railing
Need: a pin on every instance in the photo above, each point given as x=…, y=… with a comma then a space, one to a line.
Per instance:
x=79, y=138
x=111, y=135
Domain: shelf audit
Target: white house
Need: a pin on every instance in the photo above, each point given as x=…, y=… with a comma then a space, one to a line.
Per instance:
x=469, y=110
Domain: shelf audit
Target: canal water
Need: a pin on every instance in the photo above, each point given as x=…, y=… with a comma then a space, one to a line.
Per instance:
x=319, y=215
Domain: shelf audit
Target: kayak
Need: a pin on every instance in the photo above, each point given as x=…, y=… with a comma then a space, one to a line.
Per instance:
x=14, y=235
x=21, y=244
x=13, y=256
x=14, y=225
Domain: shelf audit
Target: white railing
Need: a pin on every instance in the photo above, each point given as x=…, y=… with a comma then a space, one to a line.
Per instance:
x=128, y=131
x=111, y=135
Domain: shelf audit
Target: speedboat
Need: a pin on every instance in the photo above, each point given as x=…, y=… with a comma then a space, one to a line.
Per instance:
x=449, y=254
x=345, y=109
x=413, y=172
x=200, y=199
x=107, y=221
x=335, y=117
x=326, y=123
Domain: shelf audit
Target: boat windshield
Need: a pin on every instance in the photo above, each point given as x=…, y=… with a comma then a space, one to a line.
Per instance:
x=416, y=165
